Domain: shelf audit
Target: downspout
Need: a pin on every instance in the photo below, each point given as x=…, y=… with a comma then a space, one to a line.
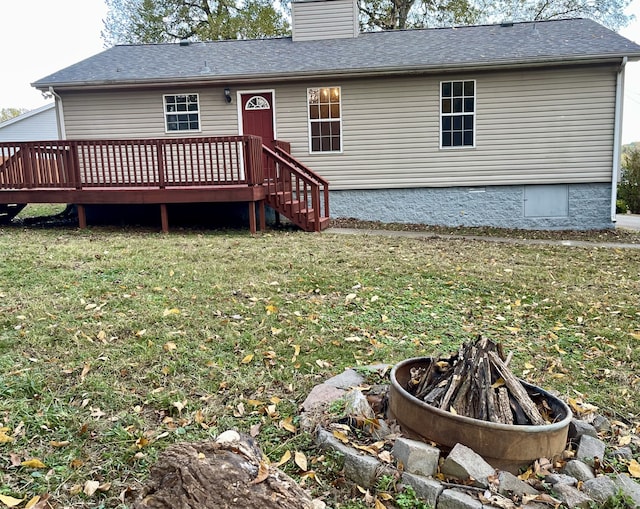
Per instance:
x=59, y=114
x=617, y=137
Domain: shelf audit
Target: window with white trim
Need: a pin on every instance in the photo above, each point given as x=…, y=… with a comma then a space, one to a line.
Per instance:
x=181, y=112
x=325, y=120
x=257, y=102
x=457, y=113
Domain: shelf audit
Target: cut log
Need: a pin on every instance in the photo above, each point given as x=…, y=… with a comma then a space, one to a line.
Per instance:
x=476, y=382
x=504, y=408
x=219, y=475
x=517, y=391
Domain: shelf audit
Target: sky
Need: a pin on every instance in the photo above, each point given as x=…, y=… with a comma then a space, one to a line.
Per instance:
x=40, y=37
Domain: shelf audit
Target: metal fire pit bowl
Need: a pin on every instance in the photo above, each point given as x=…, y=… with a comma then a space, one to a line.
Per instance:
x=504, y=446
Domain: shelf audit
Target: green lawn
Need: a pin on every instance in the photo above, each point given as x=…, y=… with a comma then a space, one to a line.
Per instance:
x=117, y=343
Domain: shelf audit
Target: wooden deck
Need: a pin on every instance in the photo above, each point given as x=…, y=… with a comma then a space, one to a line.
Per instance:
x=164, y=171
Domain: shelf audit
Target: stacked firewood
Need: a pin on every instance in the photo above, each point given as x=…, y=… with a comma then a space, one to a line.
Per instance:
x=476, y=382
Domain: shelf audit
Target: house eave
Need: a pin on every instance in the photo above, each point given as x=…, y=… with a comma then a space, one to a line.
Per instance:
x=208, y=80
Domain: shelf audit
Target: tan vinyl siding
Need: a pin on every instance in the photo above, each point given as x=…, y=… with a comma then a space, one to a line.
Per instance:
x=140, y=114
x=533, y=127
x=327, y=19
x=539, y=126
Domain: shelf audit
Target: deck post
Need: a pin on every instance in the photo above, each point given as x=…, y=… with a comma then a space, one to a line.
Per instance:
x=82, y=216
x=261, y=215
x=252, y=216
x=164, y=218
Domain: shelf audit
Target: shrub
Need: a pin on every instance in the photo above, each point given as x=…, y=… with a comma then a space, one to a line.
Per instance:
x=621, y=206
x=629, y=186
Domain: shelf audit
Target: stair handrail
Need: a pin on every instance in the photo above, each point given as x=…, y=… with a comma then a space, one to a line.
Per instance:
x=301, y=166
x=322, y=182
x=314, y=181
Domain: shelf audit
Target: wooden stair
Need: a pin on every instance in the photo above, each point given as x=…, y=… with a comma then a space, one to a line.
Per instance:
x=296, y=192
x=10, y=210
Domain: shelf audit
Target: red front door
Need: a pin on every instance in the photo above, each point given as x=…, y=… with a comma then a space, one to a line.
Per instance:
x=257, y=118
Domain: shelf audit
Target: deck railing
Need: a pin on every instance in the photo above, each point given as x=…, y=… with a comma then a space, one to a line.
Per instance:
x=296, y=191
x=157, y=163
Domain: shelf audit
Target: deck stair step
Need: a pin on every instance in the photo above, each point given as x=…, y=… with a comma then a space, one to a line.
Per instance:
x=296, y=192
x=10, y=210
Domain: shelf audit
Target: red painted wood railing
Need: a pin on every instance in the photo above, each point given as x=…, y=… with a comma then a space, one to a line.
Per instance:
x=158, y=163
x=295, y=191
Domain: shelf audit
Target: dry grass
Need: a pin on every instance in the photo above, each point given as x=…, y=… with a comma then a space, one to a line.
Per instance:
x=116, y=343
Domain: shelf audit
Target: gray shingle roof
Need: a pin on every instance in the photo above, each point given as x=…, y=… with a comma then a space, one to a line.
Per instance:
x=392, y=51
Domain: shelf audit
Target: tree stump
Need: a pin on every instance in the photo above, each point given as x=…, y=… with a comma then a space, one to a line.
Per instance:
x=230, y=472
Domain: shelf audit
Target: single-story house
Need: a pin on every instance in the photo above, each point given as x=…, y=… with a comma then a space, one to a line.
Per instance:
x=512, y=125
x=37, y=124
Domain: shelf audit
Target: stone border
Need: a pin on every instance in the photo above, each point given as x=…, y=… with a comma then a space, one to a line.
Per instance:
x=419, y=465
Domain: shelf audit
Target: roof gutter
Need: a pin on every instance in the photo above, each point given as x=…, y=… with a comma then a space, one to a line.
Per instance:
x=59, y=114
x=617, y=137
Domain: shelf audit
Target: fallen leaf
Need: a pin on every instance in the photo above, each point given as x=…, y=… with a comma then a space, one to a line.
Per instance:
x=558, y=349
x=341, y=436
x=255, y=429
x=96, y=412
x=285, y=457
x=263, y=473
x=10, y=501
x=179, y=405
x=271, y=309
x=85, y=371
x=634, y=468
x=33, y=463
x=59, y=444
x=142, y=442
x=247, y=359
x=385, y=456
x=4, y=439
x=76, y=463
x=624, y=440
x=90, y=487
x=31, y=504
x=301, y=460
x=169, y=346
x=288, y=424
x=239, y=410
x=173, y=311
x=379, y=505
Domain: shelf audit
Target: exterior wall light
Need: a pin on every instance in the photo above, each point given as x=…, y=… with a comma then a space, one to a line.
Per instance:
x=227, y=95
